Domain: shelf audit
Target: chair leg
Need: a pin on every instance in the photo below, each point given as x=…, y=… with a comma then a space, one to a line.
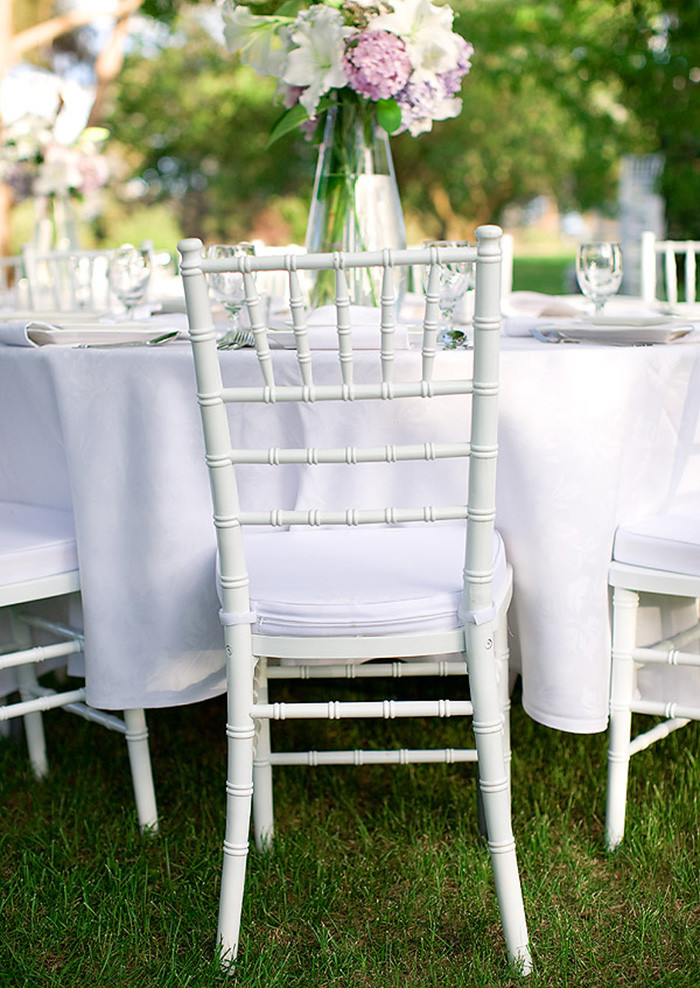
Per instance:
x=504, y=686
x=488, y=730
x=624, y=630
x=141, y=772
x=240, y=732
x=33, y=723
x=263, y=809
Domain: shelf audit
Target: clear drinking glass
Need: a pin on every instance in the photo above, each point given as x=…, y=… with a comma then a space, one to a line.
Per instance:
x=129, y=274
x=455, y=280
x=227, y=287
x=599, y=271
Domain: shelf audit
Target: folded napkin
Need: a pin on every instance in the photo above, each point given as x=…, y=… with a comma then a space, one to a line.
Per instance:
x=364, y=320
x=69, y=329
x=542, y=306
x=527, y=311
x=17, y=332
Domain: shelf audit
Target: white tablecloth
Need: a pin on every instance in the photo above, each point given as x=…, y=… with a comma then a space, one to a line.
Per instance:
x=590, y=437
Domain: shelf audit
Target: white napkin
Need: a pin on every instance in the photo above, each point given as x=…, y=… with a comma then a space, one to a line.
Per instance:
x=36, y=332
x=541, y=305
x=17, y=332
x=365, y=321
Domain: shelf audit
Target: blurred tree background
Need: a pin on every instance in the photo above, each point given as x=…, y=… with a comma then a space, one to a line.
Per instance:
x=559, y=91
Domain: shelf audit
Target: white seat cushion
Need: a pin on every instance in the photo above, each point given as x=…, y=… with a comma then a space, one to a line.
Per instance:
x=664, y=542
x=371, y=581
x=35, y=542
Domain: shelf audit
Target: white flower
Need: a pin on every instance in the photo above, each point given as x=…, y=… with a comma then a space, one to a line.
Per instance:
x=317, y=61
x=426, y=29
x=59, y=172
x=254, y=39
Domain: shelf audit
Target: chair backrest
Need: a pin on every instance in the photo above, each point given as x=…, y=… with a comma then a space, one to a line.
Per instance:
x=67, y=279
x=424, y=376
x=13, y=282
x=678, y=266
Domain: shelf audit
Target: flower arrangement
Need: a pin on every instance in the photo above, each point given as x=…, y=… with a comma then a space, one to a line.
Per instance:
x=34, y=163
x=401, y=58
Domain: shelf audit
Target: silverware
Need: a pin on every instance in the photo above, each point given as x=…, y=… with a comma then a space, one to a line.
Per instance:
x=154, y=341
x=236, y=339
x=550, y=336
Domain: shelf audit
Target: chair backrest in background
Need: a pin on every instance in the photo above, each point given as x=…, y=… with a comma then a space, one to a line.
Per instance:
x=67, y=279
x=13, y=283
x=676, y=261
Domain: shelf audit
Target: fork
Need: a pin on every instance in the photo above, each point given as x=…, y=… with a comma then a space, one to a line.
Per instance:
x=236, y=339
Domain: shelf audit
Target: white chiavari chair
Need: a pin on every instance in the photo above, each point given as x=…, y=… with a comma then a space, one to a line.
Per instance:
x=66, y=280
x=331, y=590
x=39, y=562
x=655, y=562
x=669, y=270
x=13, y=283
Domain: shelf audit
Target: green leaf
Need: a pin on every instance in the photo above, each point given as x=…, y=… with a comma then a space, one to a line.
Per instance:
x=388, y=115
x=291, y=119
x=294, y=117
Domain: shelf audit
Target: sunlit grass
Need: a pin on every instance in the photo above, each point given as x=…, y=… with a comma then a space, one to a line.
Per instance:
x=378, y=876
x=553, y=275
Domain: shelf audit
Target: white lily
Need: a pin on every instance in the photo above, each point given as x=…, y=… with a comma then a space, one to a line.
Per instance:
x=317, y=61
x=427, y=32
x=254, y=39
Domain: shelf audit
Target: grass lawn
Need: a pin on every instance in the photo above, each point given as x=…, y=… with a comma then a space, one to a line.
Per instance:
x=544, y=274
x=378, y=876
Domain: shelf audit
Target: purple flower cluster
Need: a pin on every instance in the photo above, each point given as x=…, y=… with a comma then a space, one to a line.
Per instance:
x=423, y=102
x=452, y=81
x=376, y=65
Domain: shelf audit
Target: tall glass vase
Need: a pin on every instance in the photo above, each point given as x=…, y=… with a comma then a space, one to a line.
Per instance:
x=355, y=203
x=54, y=223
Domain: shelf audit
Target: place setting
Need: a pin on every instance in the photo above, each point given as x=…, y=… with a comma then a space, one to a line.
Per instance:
x=615, y=320
x=135, y=322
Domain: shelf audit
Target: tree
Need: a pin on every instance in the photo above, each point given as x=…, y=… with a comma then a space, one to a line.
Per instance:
x=16, y=45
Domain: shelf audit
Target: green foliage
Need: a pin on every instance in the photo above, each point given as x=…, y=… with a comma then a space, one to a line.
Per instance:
x=558, y=92
x=196, y=128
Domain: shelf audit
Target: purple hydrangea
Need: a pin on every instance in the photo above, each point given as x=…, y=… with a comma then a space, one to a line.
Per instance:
x=423, y=102
x=376, y=64
x=453, y=80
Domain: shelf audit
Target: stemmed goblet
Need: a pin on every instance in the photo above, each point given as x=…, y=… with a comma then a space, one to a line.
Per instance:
x=129, y=274
x=228, y=288
x=599, y=271
x=455, y=279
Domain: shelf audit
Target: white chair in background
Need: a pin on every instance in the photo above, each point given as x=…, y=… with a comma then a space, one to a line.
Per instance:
x=13, y=283
x=508, y=248
x=652, y=560
x=66, y=280
x=677, y=256
x=330, y=590
x=38, y=562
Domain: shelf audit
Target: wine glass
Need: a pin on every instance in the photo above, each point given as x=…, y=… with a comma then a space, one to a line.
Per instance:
x=455, y=278
x=599, y=271
x=129, y=274
x=228, y=288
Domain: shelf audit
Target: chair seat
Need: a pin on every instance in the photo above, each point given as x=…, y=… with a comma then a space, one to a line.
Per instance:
x=373, y=581
x=664, y=542
x=35, y=542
